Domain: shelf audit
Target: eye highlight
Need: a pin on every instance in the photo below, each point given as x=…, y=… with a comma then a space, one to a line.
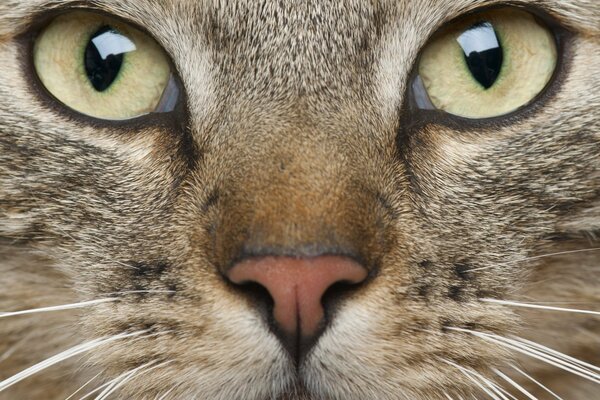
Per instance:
x=103, y=68
x=487, y=64
x=483, y=53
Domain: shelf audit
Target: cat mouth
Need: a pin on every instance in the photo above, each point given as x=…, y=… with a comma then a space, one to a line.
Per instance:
x=297, y=346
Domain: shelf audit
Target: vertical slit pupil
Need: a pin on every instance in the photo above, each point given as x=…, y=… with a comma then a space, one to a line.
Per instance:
x=104, y=58
x=483, y=53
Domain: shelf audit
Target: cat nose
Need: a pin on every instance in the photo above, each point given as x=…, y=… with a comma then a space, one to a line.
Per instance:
x=297, y=286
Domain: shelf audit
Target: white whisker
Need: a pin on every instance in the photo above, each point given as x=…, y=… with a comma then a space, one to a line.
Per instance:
x=448, y=396
x=62, y=307
x=145, y=371
x=492, y=385
x=168, y=392
x=560, y=253
x=518, y=345
x=14, y=348
x=83, y=386
x=538, y=306
x=72, y=352
x=500, y=388
x=557, y=397
x=124, y=378
x=559, y=354
x=128, y=292
x=515, y=384
x=113, y=384
x=469, y=374
x=110, y=383
x=529, y=350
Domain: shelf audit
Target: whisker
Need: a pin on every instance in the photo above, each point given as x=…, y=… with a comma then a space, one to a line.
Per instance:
x=557, y=397
x=560, y=253
x=538, y=306
x=57, y=308
x=168, y=392
x=492, y=385
x=500, y=388
x=113, y=381
x=544, y=356
x=448, y=396
x=561, y=355
x=69, y=353
x=8, y=353
x=113, y=384
x=515, y=384
x=469, y=376
x=103, y=386
x=126, y=377
x=83, y=386
x=128, y=292
x=534, y=353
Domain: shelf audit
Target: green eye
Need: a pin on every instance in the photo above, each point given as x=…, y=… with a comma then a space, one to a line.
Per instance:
x=102, y=67
x=488, y=64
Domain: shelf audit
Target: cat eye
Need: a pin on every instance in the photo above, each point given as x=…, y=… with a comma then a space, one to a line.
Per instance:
x=486, y=64
x=103, y=68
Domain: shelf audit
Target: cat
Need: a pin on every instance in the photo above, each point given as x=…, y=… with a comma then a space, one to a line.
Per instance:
x=299, y=200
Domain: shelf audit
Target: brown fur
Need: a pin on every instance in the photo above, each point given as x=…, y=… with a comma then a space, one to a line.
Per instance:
x=297, y=139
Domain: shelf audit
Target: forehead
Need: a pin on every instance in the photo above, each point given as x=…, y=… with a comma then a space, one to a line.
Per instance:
x=303, y=32
x=341, y=21
x=281, y=49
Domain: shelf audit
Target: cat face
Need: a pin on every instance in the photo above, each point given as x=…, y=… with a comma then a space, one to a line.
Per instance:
x=296, y=133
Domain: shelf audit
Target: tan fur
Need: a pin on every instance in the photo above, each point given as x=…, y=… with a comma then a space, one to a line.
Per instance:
x=297, y=140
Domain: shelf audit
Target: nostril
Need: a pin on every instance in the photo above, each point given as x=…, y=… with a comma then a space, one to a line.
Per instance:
x=259, y=296
x=335, y=294
x=298, y=287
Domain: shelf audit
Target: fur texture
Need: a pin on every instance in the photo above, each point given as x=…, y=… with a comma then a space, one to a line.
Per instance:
x=297, y=138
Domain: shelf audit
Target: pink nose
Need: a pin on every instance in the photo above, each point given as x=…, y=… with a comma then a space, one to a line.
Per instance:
x=297, y=285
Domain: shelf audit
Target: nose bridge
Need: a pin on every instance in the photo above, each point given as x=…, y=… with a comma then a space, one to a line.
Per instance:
x=295, y=192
